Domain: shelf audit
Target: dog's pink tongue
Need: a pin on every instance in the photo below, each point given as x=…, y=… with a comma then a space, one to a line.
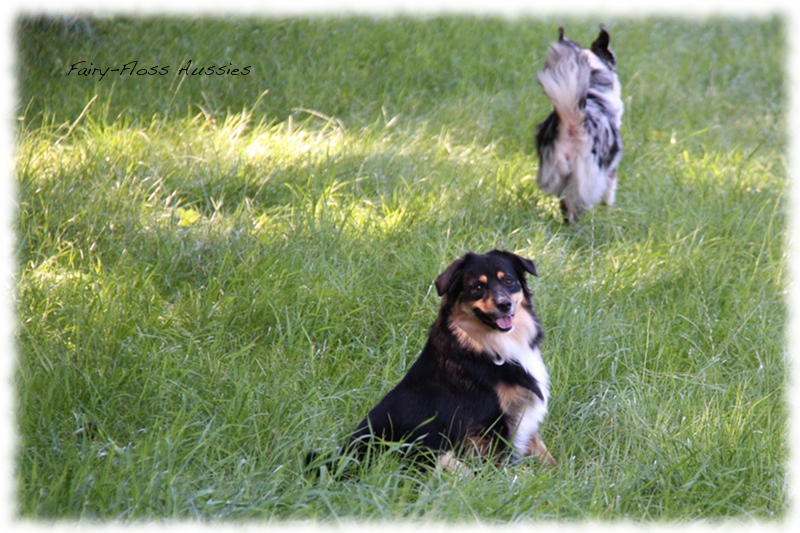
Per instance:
x=505, y=322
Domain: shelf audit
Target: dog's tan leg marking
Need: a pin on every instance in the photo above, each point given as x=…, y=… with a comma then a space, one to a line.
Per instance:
x=453, y=465
x=539, y=451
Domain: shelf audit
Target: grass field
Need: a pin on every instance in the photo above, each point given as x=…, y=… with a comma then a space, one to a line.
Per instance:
x=219, y=273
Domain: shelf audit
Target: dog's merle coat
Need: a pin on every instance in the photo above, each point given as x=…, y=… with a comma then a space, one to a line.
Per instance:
x=579, y=143
x=479, y=382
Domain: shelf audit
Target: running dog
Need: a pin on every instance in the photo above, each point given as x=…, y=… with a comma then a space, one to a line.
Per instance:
x=579, y=143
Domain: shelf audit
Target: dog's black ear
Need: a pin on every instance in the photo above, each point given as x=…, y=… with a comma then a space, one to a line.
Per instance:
x=560, y=33
x=601, y=47
x=526, y=264
x=450, y=276
x=520, y=262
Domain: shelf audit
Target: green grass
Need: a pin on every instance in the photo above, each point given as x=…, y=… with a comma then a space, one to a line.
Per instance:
x=213, y=279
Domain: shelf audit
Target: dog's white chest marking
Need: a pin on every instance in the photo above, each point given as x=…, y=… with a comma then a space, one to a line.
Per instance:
x=525, y=410
x=532, y=409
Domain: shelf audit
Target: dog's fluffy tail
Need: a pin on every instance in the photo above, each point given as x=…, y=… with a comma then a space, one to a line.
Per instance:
x=565, y=79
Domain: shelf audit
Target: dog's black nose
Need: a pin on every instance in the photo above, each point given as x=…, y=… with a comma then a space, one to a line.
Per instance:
x=504, y=305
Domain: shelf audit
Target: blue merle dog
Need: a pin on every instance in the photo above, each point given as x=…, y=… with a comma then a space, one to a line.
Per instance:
x=579, y=144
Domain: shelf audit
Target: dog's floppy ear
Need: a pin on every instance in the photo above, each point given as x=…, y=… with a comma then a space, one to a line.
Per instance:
x=601, y=47
x=528, y=265
x=520, y=262
x=450, y=276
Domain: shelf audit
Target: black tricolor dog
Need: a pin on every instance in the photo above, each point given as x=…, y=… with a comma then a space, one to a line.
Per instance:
x=579, y=143
x=479, y=384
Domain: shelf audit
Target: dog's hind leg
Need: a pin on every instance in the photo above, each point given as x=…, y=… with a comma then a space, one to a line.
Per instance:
x=570, y=211
x=566, y=212
x=611, y=188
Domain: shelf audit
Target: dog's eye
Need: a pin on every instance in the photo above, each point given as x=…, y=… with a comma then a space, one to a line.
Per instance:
x=476, y=288
x=508, y=282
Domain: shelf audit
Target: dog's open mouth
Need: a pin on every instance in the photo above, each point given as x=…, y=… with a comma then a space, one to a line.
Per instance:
x=504, y=323
x=501, y=323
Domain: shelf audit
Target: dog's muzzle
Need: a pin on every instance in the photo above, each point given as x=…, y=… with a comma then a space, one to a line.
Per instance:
x=502, y=319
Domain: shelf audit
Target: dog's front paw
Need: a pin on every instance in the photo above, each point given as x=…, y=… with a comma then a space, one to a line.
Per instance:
x=454, y=466
x=539, y=451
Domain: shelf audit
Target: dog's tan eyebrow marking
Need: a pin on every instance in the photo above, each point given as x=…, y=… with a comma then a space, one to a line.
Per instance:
x=501, y=275
x=483, y=279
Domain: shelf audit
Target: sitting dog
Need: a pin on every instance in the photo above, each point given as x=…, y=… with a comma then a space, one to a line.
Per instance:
x=579, y=143
x=480, y=383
